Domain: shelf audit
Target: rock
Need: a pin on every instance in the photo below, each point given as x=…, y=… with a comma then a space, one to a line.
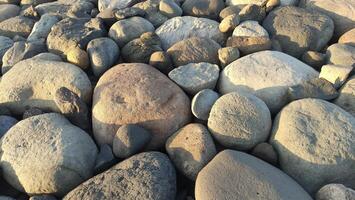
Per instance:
x=6, y=198
x=346, y=97
x=299, y=30
x=195, y=77
x=342, y=13
x=317, y=88
x=169, y=8
x=33, y=82
x=155, y=103
x=6, y=122
x=18, y=25
x=47, y=56
x=194, y=50
x=5, y=44
x=161, y=61
x=229, y=23
x=129, y=140
x=126, y=30
x=261, y=2
x=227, y=55
x=30, y=112
x=58, y=155
x=203, y=8
x=42, y=28
x=30, y=12
x=105, y=159
x=348, y=38
x=314, y=59
x=72, y=32
x=230, y=10
x=309, y=129
x=252, y=12
x=107, y=16
x=341, y=54
x=153, y=13
x=180, y=28
x=8, y=11
x=250, y=29
x=21, y=51
x=237, y=175
x=273, y=72
x=119, y=4
x=128, y=12
x=335, y=192
x=34, y=2
x=139, y=50
x=72, y=107
x=10, y=1
x=239, y=121
x=78, y=57
x=271, y=4
x=335, y=74
x=66, y=8
x=265, y=152
x=43, y=197
x=190, y=149
x=202, y=103
x=103, y=54
x=248, y=45
x=148, y=175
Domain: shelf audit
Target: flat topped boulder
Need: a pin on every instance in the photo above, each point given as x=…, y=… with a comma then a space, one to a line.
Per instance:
x=237, y=175
x=33, y=83
x=138, y=94
x=180, y=28
x=46, y=154
x=267, y=74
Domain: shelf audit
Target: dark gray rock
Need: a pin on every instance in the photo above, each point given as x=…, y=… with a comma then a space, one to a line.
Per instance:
x=104, y=160
x=265, y=152
x=129, y=140
x=252, y=12
x=6, y=122
x=149, y=176
x=203, y=8
x=33, y=111
x=5, y=44
x=230, y=10
x=72, y=107
x=314, y=59
x=43, y=197
x=161, y=61
x=315, y=88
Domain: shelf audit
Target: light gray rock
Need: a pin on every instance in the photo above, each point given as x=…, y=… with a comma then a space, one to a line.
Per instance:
x=72, y=32
x=5, y=44
x=33, y=82
x=272, y=73
x=8, y=10
x=335, y=192
x=315, y=88
x=119, y=4
x=237, y=175
x=195, y=77
x=203, y=8
x=66, y=8
x=341, y=54
x=18, y=25
x=58, y=155
x=42, y=28
x=148, y=176
x=346, y=97
x=251, y=29
x=190, y=149
x=180, y=28
x=169, y=8
x=103, y=54
x=299, y=30
x=336, y=74
x=129, y=140
x=308, y=130
x=6, y=122
x=126, y=30
x=239, y=121
x=202, y=103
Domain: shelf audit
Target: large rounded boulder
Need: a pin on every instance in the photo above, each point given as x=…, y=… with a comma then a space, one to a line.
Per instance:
x=138, y=94
x=267, y=74
x=315, y=141
x=33, y=83
x=46, y=154
x=237, y=175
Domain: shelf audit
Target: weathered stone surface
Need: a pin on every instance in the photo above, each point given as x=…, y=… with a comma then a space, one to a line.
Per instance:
x=152, y=12
x=315, y=88
x=148, y=176
x=78, y=57
x=8, y=10
x=169, y=8
x=251, y=29
x=230, y=10
x=5, y=44
x=227, y=55
x=58, y=155
x=161, y=61
x=346, y=97
x=32, y=111
x=33, y=82
x=119, y=4
x=66, y=8
x=247, y=45
x=203, y=8
x=229, y=23
x=18, y=25
x=265, y=152
x=202, y=103
x=239, y=121
x=305, y=133
x=341, y=54
x=191, y=148
x=72, y=32
x=6, y=122
x=237, y=175
x=180, y=28
x=336, y=74
x=314, y=59
x=335, y=192
x=122, y=97
x=272, y=73
x=252, y=12
x=105, y=159
x=42, y=28
x=299, y=30
x=348, y=38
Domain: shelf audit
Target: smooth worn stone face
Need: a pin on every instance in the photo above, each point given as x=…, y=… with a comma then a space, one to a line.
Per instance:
x=305, y=133
x=229, y=23
x=58, y=155
x=8, y=10
x=18, y=25
x=5, y=44
x=66, y=8
x=145, y=176
x=265, y=152
x=42, y=28
x=6, y=122
x=105, y=159
x=314, y=59
x=239, y=121
x=346, y=97
x=169, y=8
x=78, y=57
x=266, y=74
x=237, y=175
x=247, y=45
x=227, y=55
x=348, y=38
x=119, y=4
x=202, y=103
x=138, y=94
x=299, y=30
x=203, y=8
x=335, y=192
x=336, y=74
x=341, y=54
x=251, y=29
